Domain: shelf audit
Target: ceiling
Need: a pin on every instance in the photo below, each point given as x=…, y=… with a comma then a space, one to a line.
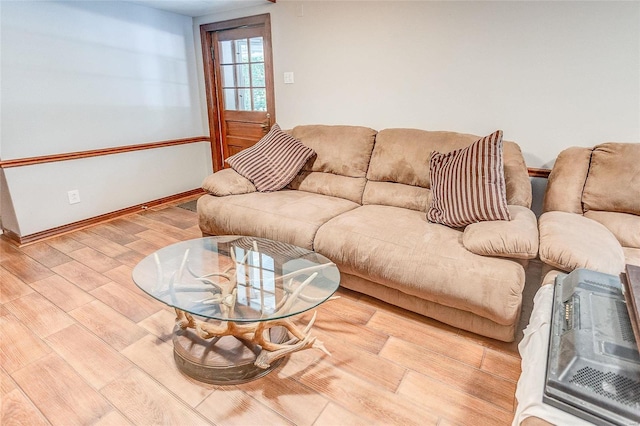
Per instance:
x=197, y=7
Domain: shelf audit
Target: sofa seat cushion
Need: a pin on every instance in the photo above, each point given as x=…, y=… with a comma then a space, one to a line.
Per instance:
x=288, y=216
x=570, y=241
x=399, y=249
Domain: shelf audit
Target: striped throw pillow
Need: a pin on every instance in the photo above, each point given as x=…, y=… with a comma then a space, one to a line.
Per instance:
x=468, y=184
x=273, y=162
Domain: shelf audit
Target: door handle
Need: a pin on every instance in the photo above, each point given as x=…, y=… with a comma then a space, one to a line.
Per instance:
x=266, y=125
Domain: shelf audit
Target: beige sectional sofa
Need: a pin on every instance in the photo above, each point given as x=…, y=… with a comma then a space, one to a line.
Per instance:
x=361, y=202
x=591, y=220
x=591, y=208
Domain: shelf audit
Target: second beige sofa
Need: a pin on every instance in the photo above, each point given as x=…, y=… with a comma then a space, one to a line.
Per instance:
x=591, y=213
x=361, y=202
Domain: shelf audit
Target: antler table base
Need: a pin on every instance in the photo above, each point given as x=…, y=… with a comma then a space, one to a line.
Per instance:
x=226, y=352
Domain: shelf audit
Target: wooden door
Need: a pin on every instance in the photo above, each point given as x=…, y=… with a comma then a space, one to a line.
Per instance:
x=239, y=83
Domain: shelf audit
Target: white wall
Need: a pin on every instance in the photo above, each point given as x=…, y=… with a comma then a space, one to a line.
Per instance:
x=84, y=75
x=550, y=74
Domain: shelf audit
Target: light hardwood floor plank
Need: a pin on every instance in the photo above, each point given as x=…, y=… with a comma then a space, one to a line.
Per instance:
x=452, y=403
x=112, y=418
x=354, y=393
x=8, y=251
x=287, y=397
x=131, y=258
x=25, y=268
x=39, y=314
x=12, y=286
x=46, y=254
x=106, y=323
x=144, y=247
x=19, y=346
x=349, y=309
x=17, y=409
x=471, y=380
x=159, y=238
x=112, y=232
x=6, y=383
x=64, y=243
x=122, y=275
x=131, y=305
x=126, y=226
x=144, y=402
x=155, y=357
x=501, y=364
x=334, y=415
x=105, y=246
x=81, y=275
x=60, y=393
x=94, y=259
x=350, y=358
x=62, y=293
x=94, y=360
x=425, y=334
x=160, y=324
x=365, y=338
x=173, y=216
x=160, y=228
x=233, y=407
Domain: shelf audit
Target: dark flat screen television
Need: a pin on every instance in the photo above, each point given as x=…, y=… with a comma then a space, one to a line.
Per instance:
x=593, y=365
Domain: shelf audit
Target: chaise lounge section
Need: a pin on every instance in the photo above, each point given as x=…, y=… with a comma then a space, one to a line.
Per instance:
x=362, y=202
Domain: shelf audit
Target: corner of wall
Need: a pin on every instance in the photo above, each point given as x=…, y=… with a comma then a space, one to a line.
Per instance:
x=8, y=219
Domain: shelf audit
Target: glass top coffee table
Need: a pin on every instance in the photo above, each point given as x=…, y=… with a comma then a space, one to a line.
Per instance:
x=244, y=291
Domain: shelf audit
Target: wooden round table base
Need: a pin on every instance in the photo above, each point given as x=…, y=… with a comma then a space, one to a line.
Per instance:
x=221, y=361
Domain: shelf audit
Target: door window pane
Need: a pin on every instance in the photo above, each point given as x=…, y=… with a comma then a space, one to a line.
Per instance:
x=257, y=49
x=259, y=99
x=242, y=51
x=226, y=52
x=228, y=79
x=242, y=72
x=257, y=75
x=244, y=100
x=230, y=99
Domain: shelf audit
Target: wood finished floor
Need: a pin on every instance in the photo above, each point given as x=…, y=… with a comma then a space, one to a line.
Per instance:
x=81, y=344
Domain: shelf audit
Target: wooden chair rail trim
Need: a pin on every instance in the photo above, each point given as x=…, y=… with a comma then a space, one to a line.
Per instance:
x=18, y=162
x=54, y=232
x=539, y=173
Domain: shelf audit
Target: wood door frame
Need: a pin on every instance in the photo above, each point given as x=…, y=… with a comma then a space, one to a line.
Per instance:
x=213, y=87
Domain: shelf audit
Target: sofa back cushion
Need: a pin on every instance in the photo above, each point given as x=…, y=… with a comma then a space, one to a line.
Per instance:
x=625, y=226
x=566, y=181
x=400, y=159
x=342, y=158
x=613, y=182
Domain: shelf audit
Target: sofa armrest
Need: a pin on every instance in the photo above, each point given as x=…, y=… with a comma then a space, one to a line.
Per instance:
x=517, y=238
x=227, y=182
x=570, y=241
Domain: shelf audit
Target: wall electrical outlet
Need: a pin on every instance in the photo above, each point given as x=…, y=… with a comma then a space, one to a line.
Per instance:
x=74, y=196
